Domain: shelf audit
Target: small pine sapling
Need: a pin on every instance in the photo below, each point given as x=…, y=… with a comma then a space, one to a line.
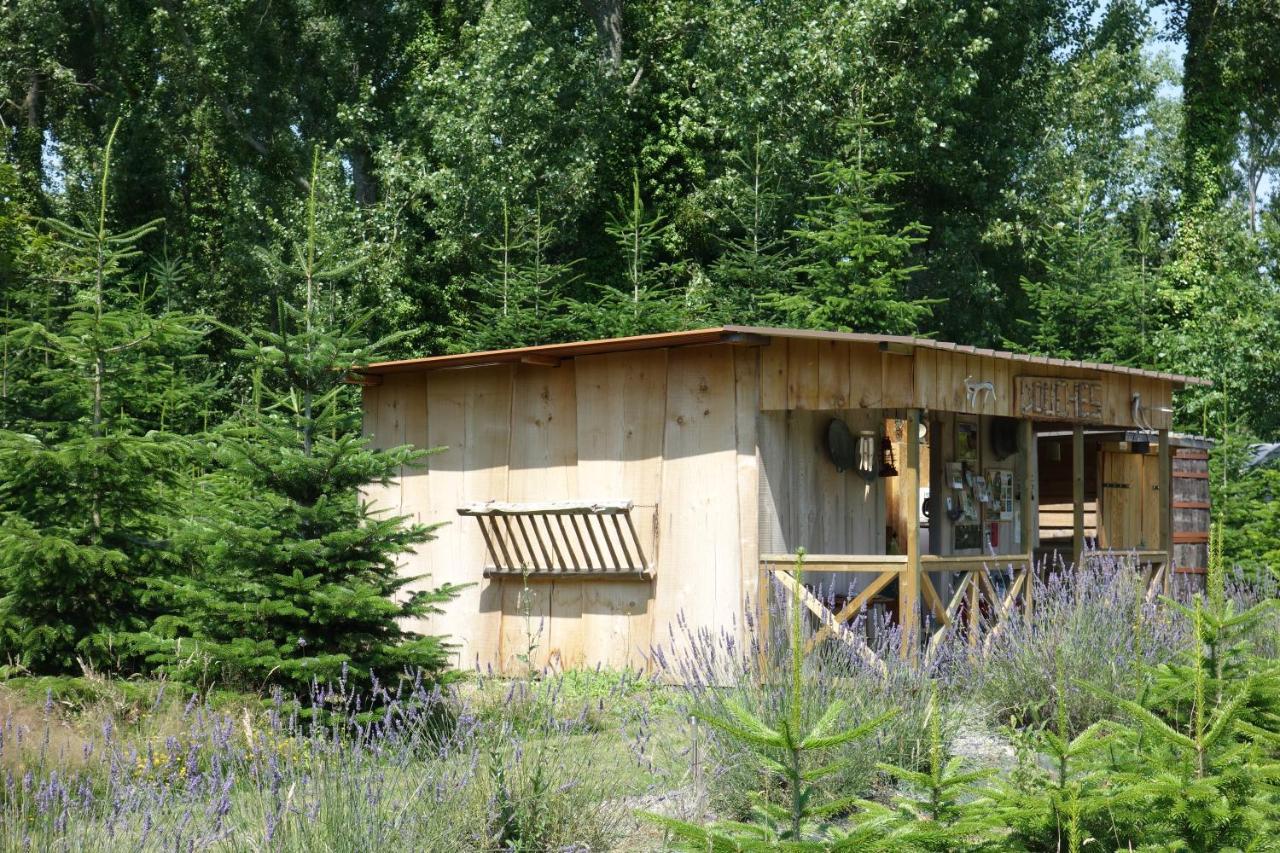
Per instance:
x=790, y=748
x=1204, y=739
x=1062, y=805
x=940, y=810
x=642, y=303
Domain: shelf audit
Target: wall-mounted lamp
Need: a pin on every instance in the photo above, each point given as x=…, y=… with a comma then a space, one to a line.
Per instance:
x=888, y=466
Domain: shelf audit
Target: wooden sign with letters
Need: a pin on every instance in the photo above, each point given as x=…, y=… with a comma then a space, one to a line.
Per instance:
x=1056, y=399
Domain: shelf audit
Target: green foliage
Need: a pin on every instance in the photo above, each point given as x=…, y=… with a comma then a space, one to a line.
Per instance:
x=97, y=373
x=522, y=295
x=1088, y=296
x=641, y=302
x=937, y=811
x=1061, y=794
x=856, y=262
x=791, y=747
x=299, y=578
x=1201, y=761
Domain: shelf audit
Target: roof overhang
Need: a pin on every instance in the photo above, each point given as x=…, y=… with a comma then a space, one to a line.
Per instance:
x=552, y=354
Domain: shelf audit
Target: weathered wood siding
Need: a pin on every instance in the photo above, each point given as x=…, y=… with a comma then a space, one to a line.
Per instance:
x=673, y=431
x=823, y=375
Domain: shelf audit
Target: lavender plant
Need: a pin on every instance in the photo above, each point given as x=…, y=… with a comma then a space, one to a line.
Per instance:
x=789, y=745
x=1093, y=624
x=396, y=779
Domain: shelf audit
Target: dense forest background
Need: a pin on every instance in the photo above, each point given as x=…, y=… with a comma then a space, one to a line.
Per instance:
x=1084, y=179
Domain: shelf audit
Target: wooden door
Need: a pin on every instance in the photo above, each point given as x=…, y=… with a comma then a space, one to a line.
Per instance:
x=1129, y=511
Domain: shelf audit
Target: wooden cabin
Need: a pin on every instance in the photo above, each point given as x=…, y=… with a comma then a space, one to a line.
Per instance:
x=596, y=491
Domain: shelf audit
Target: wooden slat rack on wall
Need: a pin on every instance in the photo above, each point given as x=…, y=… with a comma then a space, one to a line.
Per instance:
x=560, y=538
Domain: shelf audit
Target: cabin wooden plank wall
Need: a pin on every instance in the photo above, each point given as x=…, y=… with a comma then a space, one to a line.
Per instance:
x=673, y=431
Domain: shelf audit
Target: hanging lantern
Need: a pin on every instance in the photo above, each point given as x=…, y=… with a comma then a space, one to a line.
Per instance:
x=888, y=466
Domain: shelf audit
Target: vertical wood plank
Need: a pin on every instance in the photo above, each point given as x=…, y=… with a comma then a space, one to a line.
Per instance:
x=699, y=557
x=415, y=492
x=1164, y=500
x=773, y=375
x=775, y=535
x=543, y=466
x=1001, y=370
x=468, y=414
x=898, y=373
x=833, y=375
x=746, y=365
x=1029, y=505
x=909, y=578
x=621, y=400
x=802, y=374
x=803, y=461
x=925, y=370
x=865, y=377
x=621, y=406
x=1077, y=494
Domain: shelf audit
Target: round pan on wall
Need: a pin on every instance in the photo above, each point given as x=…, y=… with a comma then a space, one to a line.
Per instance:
x=841, y=445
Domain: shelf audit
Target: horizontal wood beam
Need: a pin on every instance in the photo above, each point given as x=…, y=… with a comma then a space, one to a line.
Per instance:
x=896, y=348
x=546, y=508
x=857, y=563
x=536, y=575
x=536, y=360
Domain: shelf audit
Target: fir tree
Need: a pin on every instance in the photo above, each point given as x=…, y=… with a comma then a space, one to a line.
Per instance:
x=1057, y=797
x=300, y=581
x=756, y=260
x=791, y=747
x=1089, y=298
x=1205, y=737
x=85, y=460
x=855, y=263
x=938, y=810
x=522, y=299
x=644, y=304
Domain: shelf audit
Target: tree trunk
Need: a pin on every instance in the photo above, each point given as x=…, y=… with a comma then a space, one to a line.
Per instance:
x=364, y=181
x=607, y=15
x=1210, y=109
x=29, y=147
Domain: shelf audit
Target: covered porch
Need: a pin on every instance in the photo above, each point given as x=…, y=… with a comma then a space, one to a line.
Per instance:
x=910, y=476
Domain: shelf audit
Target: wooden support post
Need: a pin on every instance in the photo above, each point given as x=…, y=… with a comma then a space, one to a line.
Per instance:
x=1027, y=439
x=909, y=577
x=763, y=585
x=1077, y=495
x=1165, y=504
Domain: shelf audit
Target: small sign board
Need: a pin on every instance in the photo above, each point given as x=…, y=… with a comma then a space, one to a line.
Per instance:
x=1057, y=399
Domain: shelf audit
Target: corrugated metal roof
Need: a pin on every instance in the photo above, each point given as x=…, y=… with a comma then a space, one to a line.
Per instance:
x=549, y=353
